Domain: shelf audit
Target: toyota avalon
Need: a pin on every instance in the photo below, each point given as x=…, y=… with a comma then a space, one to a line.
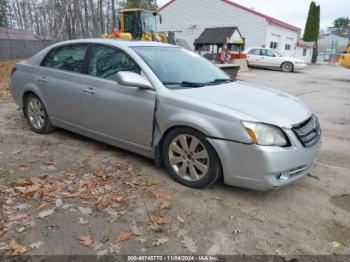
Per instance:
x=171, y=105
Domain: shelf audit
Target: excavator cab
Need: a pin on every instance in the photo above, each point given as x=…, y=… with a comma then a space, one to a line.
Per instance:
x=137, y=22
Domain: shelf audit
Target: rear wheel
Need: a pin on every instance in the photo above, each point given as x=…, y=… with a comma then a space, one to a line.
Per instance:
x=287, y=67
x=190, y=159
x=37, y=116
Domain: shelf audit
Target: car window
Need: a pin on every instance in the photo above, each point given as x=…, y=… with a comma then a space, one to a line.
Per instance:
x=106, y=62
x=254, y=52
x=266, y=52
x=69, y=58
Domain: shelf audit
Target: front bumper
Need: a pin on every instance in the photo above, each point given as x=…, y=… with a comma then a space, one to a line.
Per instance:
x=264, y=167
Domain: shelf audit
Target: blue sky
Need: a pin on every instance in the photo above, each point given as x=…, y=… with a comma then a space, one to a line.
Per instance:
x=295, y=11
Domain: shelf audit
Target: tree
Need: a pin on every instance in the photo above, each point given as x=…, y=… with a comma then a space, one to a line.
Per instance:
x=341, y=26
x=145, y=4
x=312, y=28
x=3, y=13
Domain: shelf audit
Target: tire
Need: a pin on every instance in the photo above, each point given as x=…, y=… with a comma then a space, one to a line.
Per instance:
x=190, y=159
x=287, y=67
x=37, y=116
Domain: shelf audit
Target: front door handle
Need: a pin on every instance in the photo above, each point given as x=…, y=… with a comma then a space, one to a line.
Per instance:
x=89, y=91
x=42, y=79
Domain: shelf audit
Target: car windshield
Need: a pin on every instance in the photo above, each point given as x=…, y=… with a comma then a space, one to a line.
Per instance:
x=179, y=68
x=276, y=53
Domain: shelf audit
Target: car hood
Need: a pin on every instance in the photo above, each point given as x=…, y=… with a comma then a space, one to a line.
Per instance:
x=266, y=105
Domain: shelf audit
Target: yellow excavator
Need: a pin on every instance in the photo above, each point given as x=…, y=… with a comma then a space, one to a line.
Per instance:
x=139, y=24
x=345, y=57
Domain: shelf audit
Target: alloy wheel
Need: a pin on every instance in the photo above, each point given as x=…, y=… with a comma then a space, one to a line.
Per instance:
x=188, y=157
x=36, y=113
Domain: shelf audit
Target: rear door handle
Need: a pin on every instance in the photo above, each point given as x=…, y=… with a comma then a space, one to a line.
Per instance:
x=42, y=79
x=89, y=91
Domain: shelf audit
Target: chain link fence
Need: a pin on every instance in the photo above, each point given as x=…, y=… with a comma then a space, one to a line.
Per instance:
x=15, y=49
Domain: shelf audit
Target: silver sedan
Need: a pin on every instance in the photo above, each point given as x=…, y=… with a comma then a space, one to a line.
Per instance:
x=172, y=105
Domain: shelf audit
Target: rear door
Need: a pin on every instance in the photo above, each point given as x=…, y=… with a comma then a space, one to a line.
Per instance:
x=62, y=81
x=119, y=112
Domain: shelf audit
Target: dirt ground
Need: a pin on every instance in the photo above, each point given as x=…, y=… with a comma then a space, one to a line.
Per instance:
x=65, y=194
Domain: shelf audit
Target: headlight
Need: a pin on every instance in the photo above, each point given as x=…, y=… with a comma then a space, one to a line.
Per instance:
x=265, y=135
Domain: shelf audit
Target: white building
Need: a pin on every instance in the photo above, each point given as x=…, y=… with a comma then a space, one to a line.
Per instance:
x=191, y=17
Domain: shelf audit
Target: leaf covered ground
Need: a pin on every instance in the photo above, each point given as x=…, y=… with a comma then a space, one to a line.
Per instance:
x=5, y=70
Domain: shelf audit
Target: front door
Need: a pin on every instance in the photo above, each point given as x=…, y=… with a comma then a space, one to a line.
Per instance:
x=254, y=57
x=269, y=58
x=115, y=111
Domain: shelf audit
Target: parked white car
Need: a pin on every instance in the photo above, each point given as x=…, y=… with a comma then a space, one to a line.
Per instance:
x=269, y=58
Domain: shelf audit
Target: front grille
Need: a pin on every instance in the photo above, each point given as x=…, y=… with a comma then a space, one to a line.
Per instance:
x=308, y=132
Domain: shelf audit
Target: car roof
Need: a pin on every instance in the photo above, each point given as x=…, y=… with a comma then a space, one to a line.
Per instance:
x=116, y=42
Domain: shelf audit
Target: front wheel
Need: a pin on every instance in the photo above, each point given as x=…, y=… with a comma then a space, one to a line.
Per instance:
x=190, y=159
x=287, y=67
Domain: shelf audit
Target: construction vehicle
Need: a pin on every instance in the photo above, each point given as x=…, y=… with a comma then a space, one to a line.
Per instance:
x=139, y=24
x=345, y=57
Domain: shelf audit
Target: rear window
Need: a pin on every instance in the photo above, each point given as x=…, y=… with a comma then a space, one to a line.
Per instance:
x=254, y=52
x=69, y=58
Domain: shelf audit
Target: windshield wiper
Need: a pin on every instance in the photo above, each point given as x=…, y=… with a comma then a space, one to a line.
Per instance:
x=185, y=84
x=220, y=80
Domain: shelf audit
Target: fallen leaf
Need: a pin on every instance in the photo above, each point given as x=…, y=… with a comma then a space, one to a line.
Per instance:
x=151, y=182
x=101, y=175
x=24, y=182
x=123, y=236
x=59, y=202
x=20, y=229
x=48, y=162
x=83, y=221
x=160, y=241
x=17, y=152
x=17, y=248
x=85, y=240
x=36, y=244
x=85, y=210
x=180, y=219
x=41, y=206
x=70, y=195
x=104, y=201
x=166, y=206
x=336, y=244
x=23, y=167
x=159, y=220
x=136, y=230
x=17, y=217
x=160, y=195
x=189, y=244
x=46, y=213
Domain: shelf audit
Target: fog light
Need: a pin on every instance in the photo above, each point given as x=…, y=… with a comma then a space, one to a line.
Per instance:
x=284, y=175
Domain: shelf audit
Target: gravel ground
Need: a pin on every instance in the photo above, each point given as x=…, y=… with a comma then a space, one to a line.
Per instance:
x=65, y=194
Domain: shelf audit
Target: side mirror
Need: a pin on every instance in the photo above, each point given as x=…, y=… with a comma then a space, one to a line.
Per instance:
x=133, y=80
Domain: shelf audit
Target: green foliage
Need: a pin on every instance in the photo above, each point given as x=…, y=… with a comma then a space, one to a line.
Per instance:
x=312, y=26
x=341, y=22
x=145, y=4
x=3, y=13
